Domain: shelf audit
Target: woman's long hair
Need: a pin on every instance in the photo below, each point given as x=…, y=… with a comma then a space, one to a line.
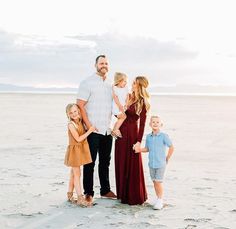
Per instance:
x=140, y=96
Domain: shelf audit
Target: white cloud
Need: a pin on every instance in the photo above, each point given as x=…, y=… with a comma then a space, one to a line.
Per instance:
x=55, y=42
x=34, y=60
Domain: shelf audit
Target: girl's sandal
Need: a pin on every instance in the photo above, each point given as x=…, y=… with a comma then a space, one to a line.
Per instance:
x=82, y=202
x=70, y=197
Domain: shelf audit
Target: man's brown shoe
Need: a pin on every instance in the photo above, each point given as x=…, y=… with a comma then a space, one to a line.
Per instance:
x=109, y=195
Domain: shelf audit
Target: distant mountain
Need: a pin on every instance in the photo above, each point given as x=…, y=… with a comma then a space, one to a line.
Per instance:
x=193, y=89
x=179, y=89
x=15, y=88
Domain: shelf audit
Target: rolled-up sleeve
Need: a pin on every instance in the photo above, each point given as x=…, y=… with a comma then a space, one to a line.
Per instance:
x=167, y=140
x=83, y=91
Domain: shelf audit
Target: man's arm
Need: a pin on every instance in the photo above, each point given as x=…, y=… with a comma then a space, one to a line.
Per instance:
x=81, y=104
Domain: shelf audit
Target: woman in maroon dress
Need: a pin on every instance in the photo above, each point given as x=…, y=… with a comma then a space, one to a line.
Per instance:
x=130, y=184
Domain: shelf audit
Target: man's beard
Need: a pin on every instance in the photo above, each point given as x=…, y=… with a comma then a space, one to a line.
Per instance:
x=100, y=70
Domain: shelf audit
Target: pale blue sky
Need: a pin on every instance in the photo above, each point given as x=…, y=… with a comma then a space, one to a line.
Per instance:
x=53, y=43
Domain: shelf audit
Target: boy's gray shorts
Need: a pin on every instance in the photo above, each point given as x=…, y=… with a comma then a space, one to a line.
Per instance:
x=157, y=174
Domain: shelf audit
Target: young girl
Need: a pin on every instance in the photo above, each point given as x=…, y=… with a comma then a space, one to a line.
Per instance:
x=77, y=152
x=120, y=96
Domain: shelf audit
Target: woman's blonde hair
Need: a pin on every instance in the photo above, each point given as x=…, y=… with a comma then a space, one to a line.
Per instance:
x=68, y=108
x=119, y=77
x=140, y=96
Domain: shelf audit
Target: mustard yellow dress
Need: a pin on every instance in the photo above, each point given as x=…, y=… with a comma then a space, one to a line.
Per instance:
x=77, y=153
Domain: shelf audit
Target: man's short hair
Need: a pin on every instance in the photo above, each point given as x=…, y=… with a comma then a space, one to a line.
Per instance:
x=97, y=58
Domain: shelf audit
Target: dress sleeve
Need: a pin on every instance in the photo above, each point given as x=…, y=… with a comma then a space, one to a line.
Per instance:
x=142, y=121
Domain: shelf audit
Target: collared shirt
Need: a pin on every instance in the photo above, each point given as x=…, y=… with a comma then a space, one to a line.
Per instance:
x=98, y=94
x=156, y=144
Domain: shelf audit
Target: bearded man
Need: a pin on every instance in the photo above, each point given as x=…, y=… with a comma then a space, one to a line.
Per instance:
x=95, y=102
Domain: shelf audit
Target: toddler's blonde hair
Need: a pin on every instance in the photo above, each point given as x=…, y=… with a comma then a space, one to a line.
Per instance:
x=119, y=77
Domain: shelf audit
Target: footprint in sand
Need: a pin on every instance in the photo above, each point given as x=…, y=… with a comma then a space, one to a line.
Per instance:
x=38, y=195
x=198, y=220
x=22, y=175
x=202, y=188
x=58, y=183
x=148, y=225
x=190, y=226
x=118, y=224
x=209, y=179
x=29, y=215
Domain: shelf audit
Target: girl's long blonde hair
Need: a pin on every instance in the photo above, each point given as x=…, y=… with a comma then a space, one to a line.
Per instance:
x=140, y=96
x=68, y=108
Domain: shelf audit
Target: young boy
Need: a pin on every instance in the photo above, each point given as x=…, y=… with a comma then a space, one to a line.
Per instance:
x=156, y=143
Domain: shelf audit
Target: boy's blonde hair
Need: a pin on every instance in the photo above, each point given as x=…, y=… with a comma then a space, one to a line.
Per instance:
x=68, y=108
x=156, y=116
x=119, y=77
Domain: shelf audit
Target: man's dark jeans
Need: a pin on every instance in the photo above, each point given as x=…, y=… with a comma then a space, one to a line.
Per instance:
x=98, y=144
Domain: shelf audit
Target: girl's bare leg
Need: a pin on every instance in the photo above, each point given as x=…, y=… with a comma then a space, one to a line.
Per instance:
x=80, y=201
x=71, y=187
x=71, y=182
x=76, y=181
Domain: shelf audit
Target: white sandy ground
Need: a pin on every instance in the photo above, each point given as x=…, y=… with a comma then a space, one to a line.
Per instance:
x=200, y=184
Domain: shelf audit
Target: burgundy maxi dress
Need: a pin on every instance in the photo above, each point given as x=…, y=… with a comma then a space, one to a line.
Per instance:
x=130, y=184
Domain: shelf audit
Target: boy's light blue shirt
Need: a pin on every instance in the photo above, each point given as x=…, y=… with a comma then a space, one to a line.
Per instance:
x=156, y=144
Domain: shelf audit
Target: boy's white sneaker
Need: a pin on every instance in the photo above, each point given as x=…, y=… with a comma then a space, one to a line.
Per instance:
x=158, y=205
